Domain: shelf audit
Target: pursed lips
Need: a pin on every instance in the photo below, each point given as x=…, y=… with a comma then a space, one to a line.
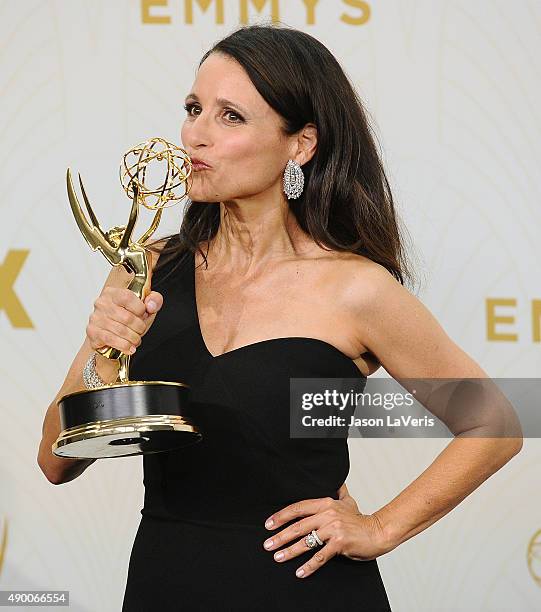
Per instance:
x=197, y=164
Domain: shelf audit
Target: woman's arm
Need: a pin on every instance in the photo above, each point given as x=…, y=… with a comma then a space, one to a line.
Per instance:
x=456, y=472
x=411, y=344
x=59, y=470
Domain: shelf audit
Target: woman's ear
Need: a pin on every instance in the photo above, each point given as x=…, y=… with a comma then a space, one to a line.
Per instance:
x=303, y=144
x=307, y=143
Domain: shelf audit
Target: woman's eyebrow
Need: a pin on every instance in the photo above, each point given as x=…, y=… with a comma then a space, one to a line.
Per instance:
x=221, y=101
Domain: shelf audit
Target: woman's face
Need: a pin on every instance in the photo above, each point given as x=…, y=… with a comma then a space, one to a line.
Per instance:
x=229, y=126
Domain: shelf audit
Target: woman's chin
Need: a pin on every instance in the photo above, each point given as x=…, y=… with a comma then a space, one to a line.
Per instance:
x=198, y=193
x=201, y=198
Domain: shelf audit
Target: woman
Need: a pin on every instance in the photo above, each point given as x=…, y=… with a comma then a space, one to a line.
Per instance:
x=291, y=214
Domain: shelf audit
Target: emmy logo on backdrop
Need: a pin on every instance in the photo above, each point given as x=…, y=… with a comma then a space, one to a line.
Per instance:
x=130, y=417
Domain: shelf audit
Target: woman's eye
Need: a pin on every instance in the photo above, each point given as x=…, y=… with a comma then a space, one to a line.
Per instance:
x=230, y=112
x=188, y=108
x=236, y=117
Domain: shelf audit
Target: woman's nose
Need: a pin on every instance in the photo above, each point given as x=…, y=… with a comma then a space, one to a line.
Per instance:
x=197, y=132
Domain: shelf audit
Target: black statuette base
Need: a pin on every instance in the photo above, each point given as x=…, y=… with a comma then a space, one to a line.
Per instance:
x=138, y=417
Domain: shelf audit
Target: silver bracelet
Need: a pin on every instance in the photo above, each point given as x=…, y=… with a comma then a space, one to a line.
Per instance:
x=90, y=377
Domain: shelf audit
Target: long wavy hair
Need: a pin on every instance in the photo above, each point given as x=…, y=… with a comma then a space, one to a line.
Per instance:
x=347, y=203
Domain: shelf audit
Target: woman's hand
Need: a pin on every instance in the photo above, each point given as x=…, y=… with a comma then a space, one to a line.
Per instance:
x=338, y=523
x=120, y=318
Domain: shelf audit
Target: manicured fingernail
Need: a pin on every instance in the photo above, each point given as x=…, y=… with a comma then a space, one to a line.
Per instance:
x=151, y=305
x=269, y=523
x=132, y=350
x=278, y=556
x=299, y=573
x=268, y=544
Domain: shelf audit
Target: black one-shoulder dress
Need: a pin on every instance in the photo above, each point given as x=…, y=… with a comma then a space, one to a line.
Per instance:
x=199, y=545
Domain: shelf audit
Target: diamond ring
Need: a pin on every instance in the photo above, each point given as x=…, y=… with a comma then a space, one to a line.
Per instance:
x=312, y=539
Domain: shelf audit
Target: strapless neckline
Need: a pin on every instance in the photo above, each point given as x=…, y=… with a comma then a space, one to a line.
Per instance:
x=258, y=343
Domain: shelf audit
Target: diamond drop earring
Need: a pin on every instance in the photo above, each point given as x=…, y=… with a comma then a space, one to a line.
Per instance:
x=293, y=180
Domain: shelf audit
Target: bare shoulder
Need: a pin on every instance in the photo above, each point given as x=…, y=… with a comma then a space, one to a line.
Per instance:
x=364, y=282
x=356, y=279
x=358, y=266
x=397, y=327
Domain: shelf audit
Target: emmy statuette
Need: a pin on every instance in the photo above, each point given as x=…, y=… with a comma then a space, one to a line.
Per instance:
x=129, y=417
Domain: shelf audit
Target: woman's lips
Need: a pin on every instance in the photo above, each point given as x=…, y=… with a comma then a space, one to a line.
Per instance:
x=197, y=164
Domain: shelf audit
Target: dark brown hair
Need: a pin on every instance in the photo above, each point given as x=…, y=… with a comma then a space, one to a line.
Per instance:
x=347, y=203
